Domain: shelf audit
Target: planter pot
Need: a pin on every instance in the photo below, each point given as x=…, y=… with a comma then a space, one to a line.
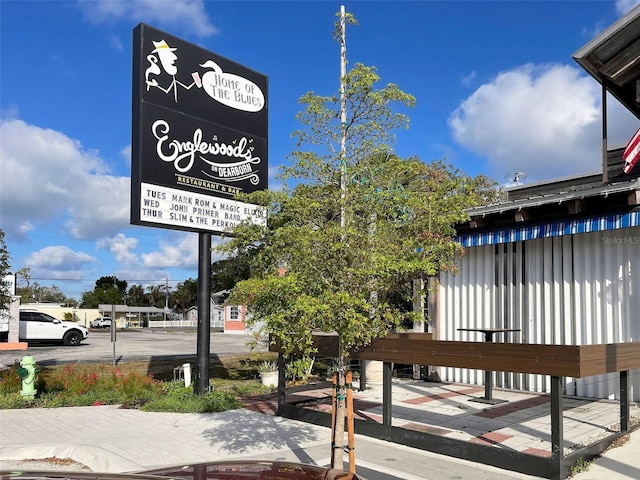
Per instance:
x=269, y=379
x=373, y=372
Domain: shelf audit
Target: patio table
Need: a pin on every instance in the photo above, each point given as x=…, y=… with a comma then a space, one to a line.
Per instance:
x=488, y=375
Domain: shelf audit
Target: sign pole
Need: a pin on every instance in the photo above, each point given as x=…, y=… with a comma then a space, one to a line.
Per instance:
x=113, y=329
x=204, y=312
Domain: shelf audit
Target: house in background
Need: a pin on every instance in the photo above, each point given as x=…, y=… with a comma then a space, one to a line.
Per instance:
x=235, y=319
x=557, y=260
x=234, y=316
x=216, y=314
x=126, y=316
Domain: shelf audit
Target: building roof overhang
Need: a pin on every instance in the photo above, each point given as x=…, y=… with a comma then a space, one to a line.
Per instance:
x=613, y=59
x=556, y=198
x=560, y=199
x=107, y=308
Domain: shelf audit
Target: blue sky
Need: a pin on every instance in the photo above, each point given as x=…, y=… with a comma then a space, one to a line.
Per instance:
x=497, y=92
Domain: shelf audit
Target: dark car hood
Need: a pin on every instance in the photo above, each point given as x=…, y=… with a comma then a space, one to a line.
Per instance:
x=229, y=470
x=244, y=470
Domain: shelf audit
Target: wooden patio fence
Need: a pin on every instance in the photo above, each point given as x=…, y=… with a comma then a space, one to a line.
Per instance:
x=556, y=361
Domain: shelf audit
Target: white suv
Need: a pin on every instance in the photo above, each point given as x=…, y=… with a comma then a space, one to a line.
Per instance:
x=39, y=327
x=101, y=322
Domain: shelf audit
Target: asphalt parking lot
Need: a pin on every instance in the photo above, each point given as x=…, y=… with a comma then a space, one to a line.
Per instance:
x=132, y=345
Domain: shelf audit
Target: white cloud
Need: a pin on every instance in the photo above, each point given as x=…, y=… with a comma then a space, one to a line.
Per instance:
x=624, y=6
x=116, y=43
x=58, y=262
x=122, y=247
x=10, y=112
x=544, y=120
x=39, y=171
x=44, y=174
x=102, y=207
x=125, y=153
x=468, y=79
x=188, y=15
x=178, y=252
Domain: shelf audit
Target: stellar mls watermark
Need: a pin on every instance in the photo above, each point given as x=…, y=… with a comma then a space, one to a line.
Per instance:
x=621, y=240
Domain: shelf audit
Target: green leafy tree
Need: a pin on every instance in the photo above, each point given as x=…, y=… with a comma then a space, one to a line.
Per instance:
x=107, y=290
x=51, y=294
x=23, y=285
x=136, y=296
x=89, y=299
x=158, y=295
x=108, y=282
x=312, y=273
x=71, y=302
x=226, y=273
x=185, y=295
x=357, y=227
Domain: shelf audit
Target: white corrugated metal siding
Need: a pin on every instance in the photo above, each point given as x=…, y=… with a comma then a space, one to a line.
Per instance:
x=576, y=289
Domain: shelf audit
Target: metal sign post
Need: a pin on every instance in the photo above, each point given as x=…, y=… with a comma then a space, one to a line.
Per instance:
x=204, y=312
x=113, y=332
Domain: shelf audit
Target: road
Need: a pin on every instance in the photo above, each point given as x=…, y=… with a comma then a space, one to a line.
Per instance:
x=132, y=346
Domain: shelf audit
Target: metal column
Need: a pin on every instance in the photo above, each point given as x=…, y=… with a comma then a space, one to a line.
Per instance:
x=204, y=313
x=624, y=401
x=386, y=400
x=557, y=435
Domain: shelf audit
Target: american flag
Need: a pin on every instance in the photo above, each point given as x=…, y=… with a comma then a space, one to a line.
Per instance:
x=631, y=154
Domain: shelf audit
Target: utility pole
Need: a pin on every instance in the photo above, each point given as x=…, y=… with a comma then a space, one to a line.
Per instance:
x=166, y=293
x=343, y=116
x=337, y=440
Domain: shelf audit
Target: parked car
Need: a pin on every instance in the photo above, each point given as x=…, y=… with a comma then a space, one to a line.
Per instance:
x=101, y=322
x=40, y=327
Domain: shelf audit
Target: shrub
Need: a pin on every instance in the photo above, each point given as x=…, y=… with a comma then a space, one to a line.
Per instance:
x=10, y=382
x=102, y=384
x=77, y=385
x=178, y=398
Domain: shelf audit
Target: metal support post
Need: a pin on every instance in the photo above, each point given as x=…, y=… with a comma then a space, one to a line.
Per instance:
x=557, y=435
x=386, y=400
x=204, y=313
x=281, y=382
x=363, y=375
x=624, y=401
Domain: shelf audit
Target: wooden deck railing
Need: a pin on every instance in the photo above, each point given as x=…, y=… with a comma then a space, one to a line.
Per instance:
x=556, y=361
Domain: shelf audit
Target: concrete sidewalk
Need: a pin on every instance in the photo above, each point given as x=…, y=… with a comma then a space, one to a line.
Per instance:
x=107, y=438
x=111, y=439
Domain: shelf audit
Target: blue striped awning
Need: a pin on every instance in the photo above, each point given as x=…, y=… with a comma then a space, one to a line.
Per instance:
x=555, y=229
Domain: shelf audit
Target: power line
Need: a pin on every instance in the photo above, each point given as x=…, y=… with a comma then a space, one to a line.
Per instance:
x=159, y=280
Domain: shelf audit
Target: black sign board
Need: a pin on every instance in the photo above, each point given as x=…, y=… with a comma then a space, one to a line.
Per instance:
x=199, y=136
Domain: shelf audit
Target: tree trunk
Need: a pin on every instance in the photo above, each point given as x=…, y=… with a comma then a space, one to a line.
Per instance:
x=337, y=460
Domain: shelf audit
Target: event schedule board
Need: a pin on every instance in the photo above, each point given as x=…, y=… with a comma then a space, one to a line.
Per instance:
x=165, y=205
x=199, y=136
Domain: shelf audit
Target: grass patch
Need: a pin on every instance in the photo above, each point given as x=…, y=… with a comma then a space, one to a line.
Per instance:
x=147, y=385
x=580, y=466
x=178, y=398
